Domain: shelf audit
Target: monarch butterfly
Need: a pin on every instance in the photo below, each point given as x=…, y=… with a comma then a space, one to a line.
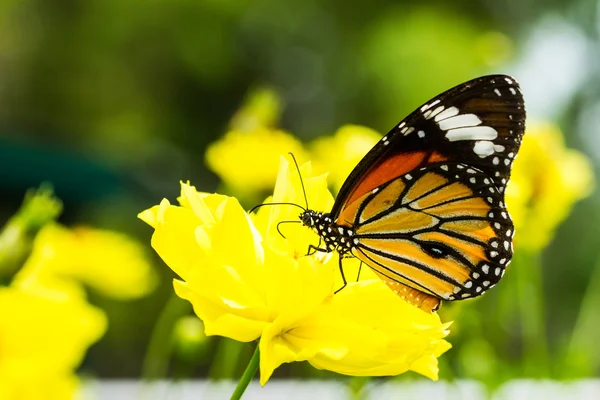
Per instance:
x=425, y=207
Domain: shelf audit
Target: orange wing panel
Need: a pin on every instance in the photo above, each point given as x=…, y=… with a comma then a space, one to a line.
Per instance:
x=384, y=199
x=423, y=185
x=412, y=251
x=390, y=169
x=471, y=251
x=401, y=220
x=424, y=301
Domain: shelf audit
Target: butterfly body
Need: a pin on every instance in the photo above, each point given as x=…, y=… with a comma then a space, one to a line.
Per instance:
x=336, y=237
x=425, y=207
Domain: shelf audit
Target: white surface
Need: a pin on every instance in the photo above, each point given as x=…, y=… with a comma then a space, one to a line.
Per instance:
x=313, y=390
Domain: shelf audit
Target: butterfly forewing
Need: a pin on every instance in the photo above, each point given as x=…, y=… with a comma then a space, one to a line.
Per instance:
x=479, y=123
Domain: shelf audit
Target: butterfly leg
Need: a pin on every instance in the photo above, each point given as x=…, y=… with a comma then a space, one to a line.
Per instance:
x=359, y=269
x=343, y=276
x=312, y=249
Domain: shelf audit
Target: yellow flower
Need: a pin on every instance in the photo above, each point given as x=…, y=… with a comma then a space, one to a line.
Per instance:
x=340, y=153
x=262, y=107
x=247, y=161
x=246, y=282
x=43, y=338
x=109, y=262
x=547, y=180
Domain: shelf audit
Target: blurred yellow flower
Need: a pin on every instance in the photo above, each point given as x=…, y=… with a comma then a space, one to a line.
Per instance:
x=262, y=107
x=547, y=179
x=341, y=152
x=246, y=282
x=109, y=262
x=43, y=338
x=247, y=161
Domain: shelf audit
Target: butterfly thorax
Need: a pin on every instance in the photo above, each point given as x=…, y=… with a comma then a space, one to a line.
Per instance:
x=336, y=237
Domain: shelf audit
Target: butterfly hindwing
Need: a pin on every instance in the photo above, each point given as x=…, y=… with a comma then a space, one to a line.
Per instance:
x=480, y=123
x=442, y=230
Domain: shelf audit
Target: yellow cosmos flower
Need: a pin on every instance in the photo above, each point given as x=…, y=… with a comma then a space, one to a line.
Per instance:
x=246, y=282
x=341, y=152
x=247, y=161
x=109, y=262
x=547, y=179
x=43, y=338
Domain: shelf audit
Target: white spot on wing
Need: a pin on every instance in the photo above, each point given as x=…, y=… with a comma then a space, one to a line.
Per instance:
x=450, y=112
x=428, y=106
x=435, y=112
x=459, y=121
x=512, y=90
x=483, y=148
x=497, y=92
x=421, y=134
x=472, y=133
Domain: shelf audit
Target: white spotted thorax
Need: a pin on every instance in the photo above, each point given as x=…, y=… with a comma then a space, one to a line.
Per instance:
x=338, y=238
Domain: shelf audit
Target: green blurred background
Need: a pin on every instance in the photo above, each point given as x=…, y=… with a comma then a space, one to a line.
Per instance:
x=114, y=102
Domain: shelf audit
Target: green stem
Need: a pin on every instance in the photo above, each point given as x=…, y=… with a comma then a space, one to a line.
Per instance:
x=248, y=375
x=156, y=361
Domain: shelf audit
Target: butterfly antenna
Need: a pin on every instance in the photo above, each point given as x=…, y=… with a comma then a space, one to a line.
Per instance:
x=285, y=222
x=301, y=181
x=276, y=204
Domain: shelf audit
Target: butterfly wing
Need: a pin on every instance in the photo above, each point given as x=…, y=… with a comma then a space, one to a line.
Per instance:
x=442, y=230
x=427, y=202
x=480, y=123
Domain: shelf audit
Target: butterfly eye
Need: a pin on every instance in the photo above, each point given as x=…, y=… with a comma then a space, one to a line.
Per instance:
x=436, y=249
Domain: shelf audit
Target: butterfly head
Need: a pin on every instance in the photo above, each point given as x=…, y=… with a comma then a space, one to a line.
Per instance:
x=310, y=218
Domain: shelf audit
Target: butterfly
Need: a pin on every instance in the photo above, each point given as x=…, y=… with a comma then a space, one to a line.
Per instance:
x=425, y=207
